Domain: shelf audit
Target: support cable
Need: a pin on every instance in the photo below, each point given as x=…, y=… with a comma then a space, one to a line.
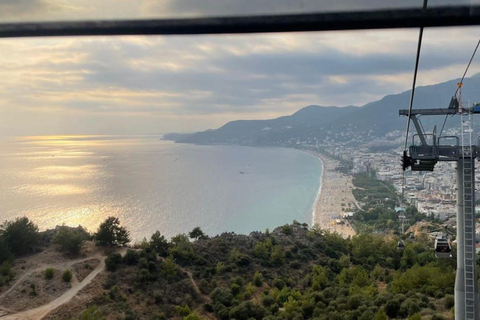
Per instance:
x=412, y=95
x=461, y=81
x=417, y=59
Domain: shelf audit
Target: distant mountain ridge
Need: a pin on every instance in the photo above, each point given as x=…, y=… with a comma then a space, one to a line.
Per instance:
x=317, y=125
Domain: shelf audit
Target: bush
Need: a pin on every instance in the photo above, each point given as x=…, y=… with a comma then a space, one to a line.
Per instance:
x=49, y=272
x=222, y=296
x=5, y=253
x=131, y=257
x=258, y=279
x=279, y=283
x=67, y=276
x=70, y=240
x=449, y=301
x=248, y=310
x=268, y=300
x=392, y=307
x=159, y=244
x=193, y=316
x=112, y=261
x=21, y=235
x=287, y=229
x=183, y=311
x=92, y=313
x=111, y=233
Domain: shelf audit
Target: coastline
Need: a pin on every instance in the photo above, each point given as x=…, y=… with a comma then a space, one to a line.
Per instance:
x=334, y=198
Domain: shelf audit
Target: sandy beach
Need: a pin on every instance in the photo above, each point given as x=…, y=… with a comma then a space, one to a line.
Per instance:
x=335, y=199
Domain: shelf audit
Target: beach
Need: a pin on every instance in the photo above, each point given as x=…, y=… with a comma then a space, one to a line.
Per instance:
x=335, y=198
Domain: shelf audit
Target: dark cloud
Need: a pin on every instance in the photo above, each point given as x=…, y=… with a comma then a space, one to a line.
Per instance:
x=245, y=82
x=24, y=9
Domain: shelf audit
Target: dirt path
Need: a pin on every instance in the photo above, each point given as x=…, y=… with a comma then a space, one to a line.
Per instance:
x=40, y=312
x=197, y=290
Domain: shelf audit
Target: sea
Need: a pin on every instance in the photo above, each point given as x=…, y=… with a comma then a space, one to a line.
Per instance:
x=151, y=184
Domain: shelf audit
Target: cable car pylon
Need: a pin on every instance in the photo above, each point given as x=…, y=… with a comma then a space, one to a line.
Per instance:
x=423, y=154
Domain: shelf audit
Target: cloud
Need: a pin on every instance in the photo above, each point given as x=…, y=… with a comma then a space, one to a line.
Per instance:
x=60, y=10
x=187, y=8
x=160, y=84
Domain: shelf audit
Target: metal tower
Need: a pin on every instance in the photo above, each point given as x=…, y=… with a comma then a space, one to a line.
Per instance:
x=423, y=154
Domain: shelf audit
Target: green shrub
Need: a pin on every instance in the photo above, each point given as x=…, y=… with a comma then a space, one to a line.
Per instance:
x=67, y=276
x=159, y=244
x=70, y=240
x=92, y=313
x=222, y=296
x=21, y=235
x=449, y=301
x=49, y=272
x=131, y=257
x=193, y=316
x=247, y=310
x=183, y=311
x=287, y=229
x=392, y=307
x=112, y=261
x=258, y=279
x=279, y=283
x=268, y=300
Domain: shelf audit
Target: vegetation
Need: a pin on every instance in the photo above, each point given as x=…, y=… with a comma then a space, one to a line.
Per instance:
x=111, y=233
x=197, y=234
x=92, y=313
x=70, y=240
x=292, y=272
x=67, y=276
x=379, y=200
x=18, y=237
x=49, y=273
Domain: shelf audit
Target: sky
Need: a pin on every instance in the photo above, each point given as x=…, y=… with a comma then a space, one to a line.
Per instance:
x=159, y=84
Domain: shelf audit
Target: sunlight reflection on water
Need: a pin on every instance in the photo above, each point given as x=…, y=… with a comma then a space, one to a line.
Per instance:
x=154, y=185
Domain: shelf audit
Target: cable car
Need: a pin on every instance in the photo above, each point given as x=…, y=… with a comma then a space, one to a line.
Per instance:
x=401, y=245
x=443, y=248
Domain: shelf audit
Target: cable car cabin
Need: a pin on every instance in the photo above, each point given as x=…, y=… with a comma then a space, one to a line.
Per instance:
x=423, y=152
x=442, y=248
x=401, y=245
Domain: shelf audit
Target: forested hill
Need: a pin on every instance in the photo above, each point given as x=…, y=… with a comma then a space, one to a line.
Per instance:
x=319, y=124
x=291, y=273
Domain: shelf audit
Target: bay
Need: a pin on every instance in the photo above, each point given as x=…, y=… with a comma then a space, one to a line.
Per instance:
x=155, y=185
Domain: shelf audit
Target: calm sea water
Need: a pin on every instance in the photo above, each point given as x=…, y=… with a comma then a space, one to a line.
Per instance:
x=154, y=185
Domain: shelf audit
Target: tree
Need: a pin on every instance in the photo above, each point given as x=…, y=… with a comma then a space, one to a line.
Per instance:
x=111, y=233
x=197, y=234
x=21, y=235
x=5, y=253
x=248, y=310
x=159, y=244
x=70, y=240
x=112, y=261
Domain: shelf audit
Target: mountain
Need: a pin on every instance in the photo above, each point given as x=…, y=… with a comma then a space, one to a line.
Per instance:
x=316, y=124
x=307, y=123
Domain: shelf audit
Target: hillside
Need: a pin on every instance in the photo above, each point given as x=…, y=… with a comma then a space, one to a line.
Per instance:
x=317, y=124
x=289, y=273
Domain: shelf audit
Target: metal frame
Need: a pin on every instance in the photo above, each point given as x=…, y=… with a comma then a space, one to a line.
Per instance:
x=445, y=16
x=464, y=154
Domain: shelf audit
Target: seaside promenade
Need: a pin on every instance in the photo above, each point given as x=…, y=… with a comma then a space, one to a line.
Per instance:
x=335, y=199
